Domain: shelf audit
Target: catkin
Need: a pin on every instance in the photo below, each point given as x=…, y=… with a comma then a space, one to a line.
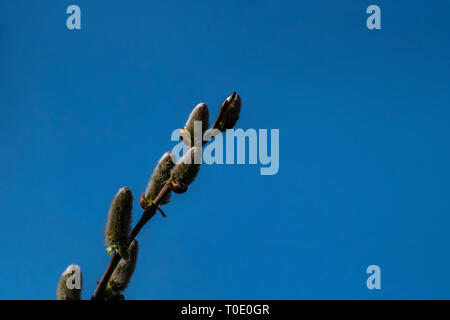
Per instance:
x=118, y=225
x=124, y=271
x=230, y=113
x=199, y=113
x=186, y=169
x=65, y=293
x=160, y=175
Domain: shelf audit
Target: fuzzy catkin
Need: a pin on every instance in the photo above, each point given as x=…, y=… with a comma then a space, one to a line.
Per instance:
x=62, y=291
x=160, y=175
x=118, y=225
x=186, y=169
x=123, y=272
x=199, y=113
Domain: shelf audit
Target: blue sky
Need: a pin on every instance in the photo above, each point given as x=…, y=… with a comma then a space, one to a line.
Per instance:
x=364, y=146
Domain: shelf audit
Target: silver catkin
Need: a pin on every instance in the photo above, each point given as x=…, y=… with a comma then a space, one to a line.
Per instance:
x=118, y=225
x=186, y=169
x=62, y=291
x=160, y=175
x=124, y=271
x=199, y=113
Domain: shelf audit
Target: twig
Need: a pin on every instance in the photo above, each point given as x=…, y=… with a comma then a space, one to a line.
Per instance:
x=99, y=293
x=162, y=212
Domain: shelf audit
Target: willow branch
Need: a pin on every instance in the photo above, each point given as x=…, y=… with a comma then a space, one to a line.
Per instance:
x=226, y=119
